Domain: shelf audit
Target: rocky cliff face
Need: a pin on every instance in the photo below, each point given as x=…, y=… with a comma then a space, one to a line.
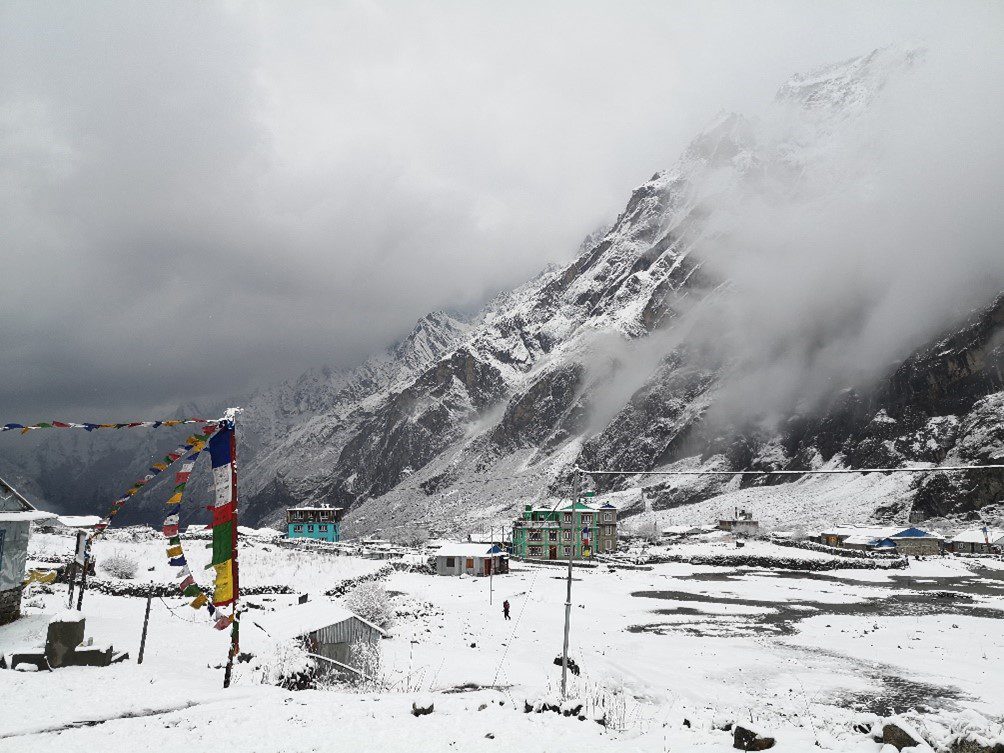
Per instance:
x=597, y=364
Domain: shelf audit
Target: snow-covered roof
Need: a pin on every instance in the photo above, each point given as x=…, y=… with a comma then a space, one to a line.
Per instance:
x=875, y=532
x=79, y=521
x=976, y=536
x=302, y=619
x=25, y=516
x=569, y=505
x=14, y=508
x=866, y=540
x=467, y=550
x=314, y=508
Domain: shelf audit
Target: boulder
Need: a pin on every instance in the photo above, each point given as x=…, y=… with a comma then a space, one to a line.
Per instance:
x=422, y=706
x=748, y=739
x=899, y=738
x=971, y=745
x=66, y=632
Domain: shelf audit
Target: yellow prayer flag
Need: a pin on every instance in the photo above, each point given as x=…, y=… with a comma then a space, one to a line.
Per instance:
x=198, y=601
x=224, y=591
x=175, y=499
x=174, y=551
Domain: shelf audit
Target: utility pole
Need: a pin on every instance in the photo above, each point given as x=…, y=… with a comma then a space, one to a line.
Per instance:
x=568, y=590
x=491, y=561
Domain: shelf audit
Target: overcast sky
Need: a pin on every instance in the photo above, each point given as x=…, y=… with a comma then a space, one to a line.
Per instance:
x=198, y=198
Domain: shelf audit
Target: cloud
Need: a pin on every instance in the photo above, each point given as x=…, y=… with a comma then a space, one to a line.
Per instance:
x=200, y=198
x=889, y=234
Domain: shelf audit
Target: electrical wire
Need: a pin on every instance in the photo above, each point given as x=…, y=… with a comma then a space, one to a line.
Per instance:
x=808, y=472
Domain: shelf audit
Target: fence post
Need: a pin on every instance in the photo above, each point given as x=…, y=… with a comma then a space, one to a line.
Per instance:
x=146, y=623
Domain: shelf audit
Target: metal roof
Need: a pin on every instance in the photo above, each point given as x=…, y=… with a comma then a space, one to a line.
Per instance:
x=302, y=619
x=467, y=550
x=15, y=508
x=975, y=536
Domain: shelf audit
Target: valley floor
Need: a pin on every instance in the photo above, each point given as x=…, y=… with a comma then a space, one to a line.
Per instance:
x=802, y=655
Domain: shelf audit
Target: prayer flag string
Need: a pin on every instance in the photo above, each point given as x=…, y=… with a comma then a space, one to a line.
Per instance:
x=25, y=428
x=194, y=442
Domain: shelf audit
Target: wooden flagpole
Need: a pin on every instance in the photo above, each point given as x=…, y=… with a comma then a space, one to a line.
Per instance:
x=234, y=626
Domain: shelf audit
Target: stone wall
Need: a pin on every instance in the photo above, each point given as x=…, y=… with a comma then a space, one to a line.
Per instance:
x=10, y=605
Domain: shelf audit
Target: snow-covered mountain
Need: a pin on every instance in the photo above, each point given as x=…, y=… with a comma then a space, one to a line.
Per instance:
x=606, y=362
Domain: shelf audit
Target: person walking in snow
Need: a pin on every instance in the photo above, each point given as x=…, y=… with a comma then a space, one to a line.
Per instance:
x=505, y=609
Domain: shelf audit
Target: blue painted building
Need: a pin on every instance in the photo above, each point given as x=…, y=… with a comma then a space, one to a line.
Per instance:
x=320, y=522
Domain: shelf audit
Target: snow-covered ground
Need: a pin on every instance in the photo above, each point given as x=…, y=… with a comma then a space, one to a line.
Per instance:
x=266, y=563
x=804, y=655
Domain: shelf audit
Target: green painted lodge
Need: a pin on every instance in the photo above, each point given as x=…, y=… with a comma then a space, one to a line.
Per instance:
x=578, y=529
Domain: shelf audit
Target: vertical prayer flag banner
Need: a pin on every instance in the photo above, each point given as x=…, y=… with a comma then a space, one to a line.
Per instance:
x=175, y=554
x=223, y=451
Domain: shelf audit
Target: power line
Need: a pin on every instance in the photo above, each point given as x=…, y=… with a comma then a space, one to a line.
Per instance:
x=810, y=472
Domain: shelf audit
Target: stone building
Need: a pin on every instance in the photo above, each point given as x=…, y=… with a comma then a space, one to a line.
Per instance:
x=580, y=530
x=16, y=516
x=983, y=540
x=741, y=525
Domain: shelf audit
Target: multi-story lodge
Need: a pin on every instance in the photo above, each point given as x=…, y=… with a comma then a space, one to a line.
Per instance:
x=321, y=522
x=580, y=529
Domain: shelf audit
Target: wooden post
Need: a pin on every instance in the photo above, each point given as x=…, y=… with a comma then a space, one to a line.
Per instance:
x=73, y=577
x=146, y=623
x=78, y=551
x=233, y=649
x=235, y=625
x=491, y=566
x=568, y=590
x=83, y=577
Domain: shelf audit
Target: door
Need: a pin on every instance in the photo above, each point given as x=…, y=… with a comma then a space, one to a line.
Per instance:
x=488, y=566
x=470, y=564
x=552, y=552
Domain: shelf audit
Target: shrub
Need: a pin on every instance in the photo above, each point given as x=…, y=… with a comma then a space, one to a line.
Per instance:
x=371, y=601
x=118, y=564
x=286, y=664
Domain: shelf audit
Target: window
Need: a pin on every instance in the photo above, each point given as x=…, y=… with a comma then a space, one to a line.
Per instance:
x=534, y=535
x=566, y=535
x=451, y=562
x=567, y=551
x=587, y=518
x=608, y=516
x=567, y=517
x=297, y=529
x=535, y=551
x=322, y=527
x=552, y=535
x=608, y=530
x=310, y=529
